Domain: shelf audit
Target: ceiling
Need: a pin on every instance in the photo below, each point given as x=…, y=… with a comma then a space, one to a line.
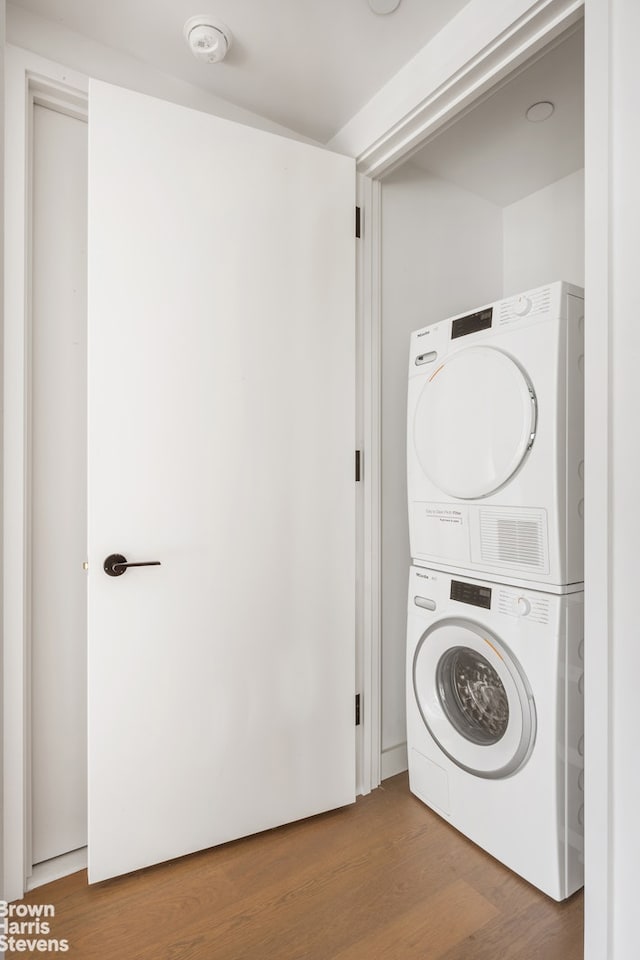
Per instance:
x=308, y=65
x=495, y=152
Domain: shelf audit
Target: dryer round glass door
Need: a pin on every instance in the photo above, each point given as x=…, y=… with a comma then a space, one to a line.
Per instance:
x=474, y=422
x=474, y=698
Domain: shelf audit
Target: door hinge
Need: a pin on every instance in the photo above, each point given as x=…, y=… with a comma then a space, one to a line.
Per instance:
x=358, y=465
x=357, y=709
x=357, y=223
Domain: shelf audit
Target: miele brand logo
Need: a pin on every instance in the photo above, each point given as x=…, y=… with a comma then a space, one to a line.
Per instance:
x=432, y=329
x=425, y=576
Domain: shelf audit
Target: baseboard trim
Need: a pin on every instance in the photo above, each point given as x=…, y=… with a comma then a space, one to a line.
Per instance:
x=57, y=867
x=393, y=761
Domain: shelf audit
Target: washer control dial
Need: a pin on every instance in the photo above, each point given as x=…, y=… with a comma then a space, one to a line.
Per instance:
x=524, y=606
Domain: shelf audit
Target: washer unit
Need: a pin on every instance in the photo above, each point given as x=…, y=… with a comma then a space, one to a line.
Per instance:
x=495, y=720
x=495, y=440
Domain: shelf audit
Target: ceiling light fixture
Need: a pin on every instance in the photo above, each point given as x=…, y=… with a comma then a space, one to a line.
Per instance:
x=540, y=111
x=384, y=6
x=209, y=39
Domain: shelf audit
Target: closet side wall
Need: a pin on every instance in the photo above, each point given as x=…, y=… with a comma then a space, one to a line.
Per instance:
x=544, y=236
x=58, y=486
x=441, y=254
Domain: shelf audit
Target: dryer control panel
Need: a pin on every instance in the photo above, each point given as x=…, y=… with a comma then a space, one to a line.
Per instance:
x=437, y=340
x=473, y=323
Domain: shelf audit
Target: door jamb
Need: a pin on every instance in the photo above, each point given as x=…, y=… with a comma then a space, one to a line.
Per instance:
x=368, y=534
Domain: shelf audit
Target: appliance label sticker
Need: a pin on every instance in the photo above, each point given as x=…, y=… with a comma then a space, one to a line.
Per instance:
x=444, y=515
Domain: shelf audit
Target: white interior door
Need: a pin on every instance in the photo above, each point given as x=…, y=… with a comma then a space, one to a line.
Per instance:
x=221, y=437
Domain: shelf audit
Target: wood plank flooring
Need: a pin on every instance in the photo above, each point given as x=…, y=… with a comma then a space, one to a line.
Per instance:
x=384, y=879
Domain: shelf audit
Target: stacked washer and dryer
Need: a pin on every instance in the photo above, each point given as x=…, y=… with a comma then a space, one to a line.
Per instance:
x=495, y=616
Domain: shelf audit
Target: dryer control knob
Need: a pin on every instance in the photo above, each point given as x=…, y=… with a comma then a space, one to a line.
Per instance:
x=522, y=306
x=524, y=606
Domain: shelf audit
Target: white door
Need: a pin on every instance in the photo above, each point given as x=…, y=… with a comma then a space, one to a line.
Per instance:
x=221, y=437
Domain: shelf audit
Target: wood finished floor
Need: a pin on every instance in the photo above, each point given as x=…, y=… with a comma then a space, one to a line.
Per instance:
x=385, y=879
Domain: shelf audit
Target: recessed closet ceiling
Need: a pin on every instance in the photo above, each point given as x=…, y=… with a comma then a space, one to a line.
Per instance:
x=495, y=152
x=309, y=65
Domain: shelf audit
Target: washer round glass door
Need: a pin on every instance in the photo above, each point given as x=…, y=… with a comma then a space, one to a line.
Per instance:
x=474, y=422
x=474, y=698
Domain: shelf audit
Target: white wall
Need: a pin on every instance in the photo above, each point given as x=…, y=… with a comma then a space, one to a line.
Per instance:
x=56, y=42
x=544, y=236
x=441, y=254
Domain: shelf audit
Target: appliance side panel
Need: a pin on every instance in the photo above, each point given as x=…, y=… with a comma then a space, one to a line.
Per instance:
x=574, y=524
x=573, y=746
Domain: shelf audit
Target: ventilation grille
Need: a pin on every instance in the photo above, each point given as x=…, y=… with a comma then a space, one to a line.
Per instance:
x=514, y=539
x=540, y=303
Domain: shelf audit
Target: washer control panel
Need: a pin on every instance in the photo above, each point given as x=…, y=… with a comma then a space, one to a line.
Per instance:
x=431, y=590
x=473, y=593
x=522, y=604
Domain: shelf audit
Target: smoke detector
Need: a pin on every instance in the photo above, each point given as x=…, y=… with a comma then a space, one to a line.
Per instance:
x=209, y=39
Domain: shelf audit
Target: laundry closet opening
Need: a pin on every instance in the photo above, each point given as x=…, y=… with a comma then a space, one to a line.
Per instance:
x=58, y=495
x=493, y=205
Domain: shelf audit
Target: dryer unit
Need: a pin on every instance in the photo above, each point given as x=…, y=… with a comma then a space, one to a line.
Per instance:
x=495, y=439
x=495, y=720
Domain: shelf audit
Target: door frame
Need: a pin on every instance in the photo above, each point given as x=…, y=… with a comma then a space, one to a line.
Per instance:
x=472, y=79
x=475, y=78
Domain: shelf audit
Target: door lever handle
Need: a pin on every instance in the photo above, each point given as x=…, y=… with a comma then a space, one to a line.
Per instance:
x=115, y=564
